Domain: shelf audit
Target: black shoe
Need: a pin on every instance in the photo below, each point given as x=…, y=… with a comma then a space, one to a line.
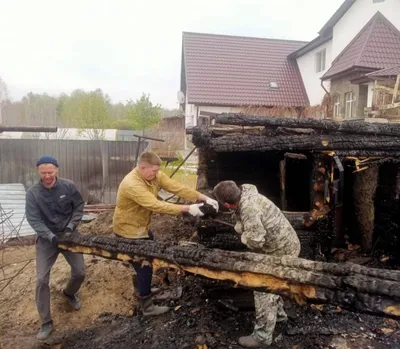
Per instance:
x=45, y=330
x=73, y=300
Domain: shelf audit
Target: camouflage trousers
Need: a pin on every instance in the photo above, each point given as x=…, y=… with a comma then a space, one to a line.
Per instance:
x=269, y=311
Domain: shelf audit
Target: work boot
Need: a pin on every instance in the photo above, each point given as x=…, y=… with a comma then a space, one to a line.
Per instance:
x=251, y=342
x=45, y=331
x=73, y=300
x=155, y=290
x=149, y=309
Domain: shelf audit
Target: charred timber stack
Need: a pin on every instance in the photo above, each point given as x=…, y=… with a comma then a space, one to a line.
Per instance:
x=351, y=138
x=219, y=233
x=367, y=145
x=350, y=286
x=325, y=125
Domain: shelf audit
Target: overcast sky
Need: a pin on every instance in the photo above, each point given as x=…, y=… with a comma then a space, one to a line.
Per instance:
x=126, y=47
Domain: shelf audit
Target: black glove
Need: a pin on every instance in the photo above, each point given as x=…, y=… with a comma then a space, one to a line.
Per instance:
x=68, y=232
x=54, y=241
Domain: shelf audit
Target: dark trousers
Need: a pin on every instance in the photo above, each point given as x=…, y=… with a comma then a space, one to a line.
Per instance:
x=46, y=256
x=144, y=274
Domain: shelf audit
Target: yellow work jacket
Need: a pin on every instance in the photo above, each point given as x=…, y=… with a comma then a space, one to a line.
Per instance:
x=137, y=200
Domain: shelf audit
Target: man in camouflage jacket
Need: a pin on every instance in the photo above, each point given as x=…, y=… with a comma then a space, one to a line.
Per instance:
x=264, y=229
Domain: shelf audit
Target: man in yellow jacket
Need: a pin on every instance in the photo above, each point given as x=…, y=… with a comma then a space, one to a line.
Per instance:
x=136, y=201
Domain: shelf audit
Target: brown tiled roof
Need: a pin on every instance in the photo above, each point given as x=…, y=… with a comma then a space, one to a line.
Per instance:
x=236, y=71
x=376, y=46
x=392, y=71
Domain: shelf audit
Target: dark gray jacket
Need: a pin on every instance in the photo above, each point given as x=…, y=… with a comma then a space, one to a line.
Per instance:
x=51, y=211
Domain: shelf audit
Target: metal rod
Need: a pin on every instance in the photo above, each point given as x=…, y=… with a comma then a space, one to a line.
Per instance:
x=151, y=138
x=176, y=170
x=138, y=150
x=184, y=160
x=222, y=222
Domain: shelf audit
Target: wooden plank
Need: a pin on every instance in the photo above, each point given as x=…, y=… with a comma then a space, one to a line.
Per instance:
x=389, y=106
x=384, y=88
x=325, y=125
x=375, y=95
x=396, y=89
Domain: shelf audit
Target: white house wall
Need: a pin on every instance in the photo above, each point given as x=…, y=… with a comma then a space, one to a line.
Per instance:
x=219, y=110
x=311, y=78
x=357, y=17
x=190, y=115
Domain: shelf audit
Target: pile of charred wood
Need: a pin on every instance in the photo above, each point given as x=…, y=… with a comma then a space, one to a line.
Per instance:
x=347, y=285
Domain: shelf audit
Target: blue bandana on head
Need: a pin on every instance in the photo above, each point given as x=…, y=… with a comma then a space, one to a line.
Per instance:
x=47, y=160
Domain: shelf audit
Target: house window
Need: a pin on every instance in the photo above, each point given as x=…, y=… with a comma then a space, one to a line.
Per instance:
x=204, y=121
x=320, y=58
x=336, y=105
x=349, y=104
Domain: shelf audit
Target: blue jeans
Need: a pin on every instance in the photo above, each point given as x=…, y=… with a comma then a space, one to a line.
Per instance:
x=144, y=275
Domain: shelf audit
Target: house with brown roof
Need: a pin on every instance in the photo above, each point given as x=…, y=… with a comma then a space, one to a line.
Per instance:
x=361, y=37
x=222, y=73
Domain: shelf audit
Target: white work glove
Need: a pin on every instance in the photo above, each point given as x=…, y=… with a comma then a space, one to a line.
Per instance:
x=194, y=210
x=213, y=203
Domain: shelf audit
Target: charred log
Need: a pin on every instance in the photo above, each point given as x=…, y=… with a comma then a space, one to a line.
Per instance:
x=223, y=241
x=241, y=142
x=354, y=127
x=305, y=143
x=298, y=220
x=202, y=171
x=367, y=153
x=348, y=285
x=364, y=194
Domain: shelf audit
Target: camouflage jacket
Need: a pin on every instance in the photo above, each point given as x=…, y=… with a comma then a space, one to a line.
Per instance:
x=263, y=226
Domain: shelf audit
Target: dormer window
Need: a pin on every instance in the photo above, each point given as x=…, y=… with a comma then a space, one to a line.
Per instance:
x=273, y=85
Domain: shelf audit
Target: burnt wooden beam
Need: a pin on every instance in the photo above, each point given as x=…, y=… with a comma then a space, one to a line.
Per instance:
x=347, y=126
x=4, y=128
x=236, y=143
x=366, y=153
x=348, y=285
x=298, y=220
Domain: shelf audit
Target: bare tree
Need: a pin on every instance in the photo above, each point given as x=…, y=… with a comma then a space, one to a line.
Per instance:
x=3, y=98
x=62, y=133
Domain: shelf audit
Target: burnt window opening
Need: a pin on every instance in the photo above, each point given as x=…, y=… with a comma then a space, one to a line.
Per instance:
x=298, y=184
x=387, y=207
x=262, y=169
x=258, y=168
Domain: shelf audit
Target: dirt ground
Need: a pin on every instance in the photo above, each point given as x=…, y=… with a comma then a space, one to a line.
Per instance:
x=107, y=288
x=109, y=320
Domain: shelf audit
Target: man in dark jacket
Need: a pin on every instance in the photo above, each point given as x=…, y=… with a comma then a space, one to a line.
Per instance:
x=54, y=205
